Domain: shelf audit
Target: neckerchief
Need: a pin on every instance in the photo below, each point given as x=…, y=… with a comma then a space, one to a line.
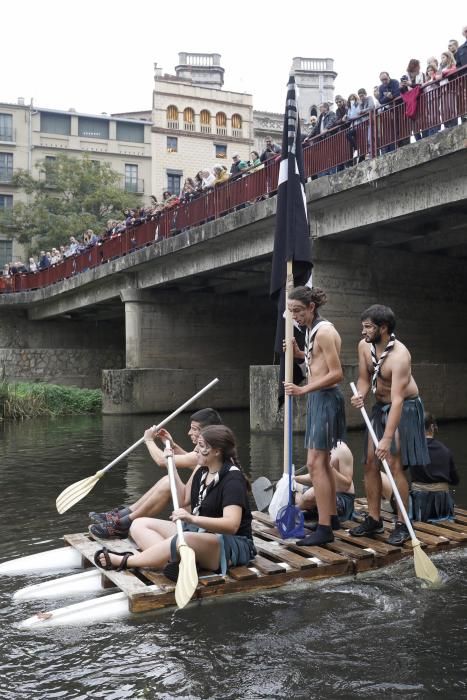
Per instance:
x=310, y=334
x=204, y=488
x=378, y=363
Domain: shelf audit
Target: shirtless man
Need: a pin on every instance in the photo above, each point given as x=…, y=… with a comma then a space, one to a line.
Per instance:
x=117, y=522
x=342, y=471
x=384, y=366
x=325, y=415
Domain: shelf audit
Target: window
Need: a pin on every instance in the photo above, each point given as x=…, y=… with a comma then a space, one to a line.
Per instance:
x=205, y=121
x=6, y=167
x=221, y=123
x=6, y=127
x=55, y=123
x=221, y=151
x=6, y=201
x=6, y=205
x=174, y=178
x=6, y=251
x=172, y=117
x=237, y=125
x=93, y=128
x=172, y=144
x=131, y=178
x=50, y=176
x=130, y=132
x=189, y=119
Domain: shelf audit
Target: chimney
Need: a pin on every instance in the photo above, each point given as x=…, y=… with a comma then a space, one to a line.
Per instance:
x=21, y=101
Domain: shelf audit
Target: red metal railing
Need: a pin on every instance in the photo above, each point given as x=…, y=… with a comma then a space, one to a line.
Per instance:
x=370, y=135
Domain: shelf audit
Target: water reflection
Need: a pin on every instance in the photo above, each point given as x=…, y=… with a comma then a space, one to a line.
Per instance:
x=381, y=635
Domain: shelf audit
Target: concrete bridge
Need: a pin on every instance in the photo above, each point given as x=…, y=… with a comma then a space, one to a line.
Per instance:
x=164, y=319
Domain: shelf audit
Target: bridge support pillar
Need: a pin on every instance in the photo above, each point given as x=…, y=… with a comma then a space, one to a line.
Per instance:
x=139, y=305
x=177, y=342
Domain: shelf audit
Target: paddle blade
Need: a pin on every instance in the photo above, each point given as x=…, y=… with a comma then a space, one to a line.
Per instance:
x=75, y=492
x=424, y=567
x=262, y=491
x=187, y=576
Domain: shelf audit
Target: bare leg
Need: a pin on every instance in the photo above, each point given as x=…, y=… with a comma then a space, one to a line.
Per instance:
x=205, y=545
x=402, y=484
x=319, y=468
x=155, y=500
x=144, y=498
x=149, y=531
x=306, y=500
x=373, y=486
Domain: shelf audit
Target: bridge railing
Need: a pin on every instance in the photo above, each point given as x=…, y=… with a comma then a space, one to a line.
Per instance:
x=372, y=134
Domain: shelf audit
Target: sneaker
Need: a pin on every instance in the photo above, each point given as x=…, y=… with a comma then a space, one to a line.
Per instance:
x=368, y=528
x=111, y=528
x=399, y=535
x=103, y=517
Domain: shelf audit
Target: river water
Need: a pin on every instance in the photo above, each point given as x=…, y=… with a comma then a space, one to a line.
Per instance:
x=378, y=636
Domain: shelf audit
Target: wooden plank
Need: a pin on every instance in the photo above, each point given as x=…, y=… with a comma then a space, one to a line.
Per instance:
x=380, y=547
x=263, y=518
x=125, y=580
x=361, y=558
x=349, y=550
x=441, y=531
x=325, y=555
x=431, y=541
x=266, y=566
x=242, y=573
x=280, y=553
x=211, y=580
x=449, y=525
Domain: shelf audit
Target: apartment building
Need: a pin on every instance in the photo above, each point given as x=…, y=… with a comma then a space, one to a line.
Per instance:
x=29, y=135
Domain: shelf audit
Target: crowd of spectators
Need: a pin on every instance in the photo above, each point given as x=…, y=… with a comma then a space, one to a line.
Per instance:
x=348, y=113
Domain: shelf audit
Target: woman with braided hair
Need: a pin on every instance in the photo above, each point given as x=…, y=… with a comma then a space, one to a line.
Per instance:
x=217, y=520
x=397, y=416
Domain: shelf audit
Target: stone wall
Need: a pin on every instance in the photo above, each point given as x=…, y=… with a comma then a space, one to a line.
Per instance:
x=165, y=389
x=62, y=352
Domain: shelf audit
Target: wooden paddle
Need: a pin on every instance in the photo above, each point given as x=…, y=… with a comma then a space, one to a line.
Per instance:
x=187, y=574
x=424, y=567
x=75, y=492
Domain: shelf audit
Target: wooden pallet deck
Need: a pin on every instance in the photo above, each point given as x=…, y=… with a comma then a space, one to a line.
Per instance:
x=278, y=561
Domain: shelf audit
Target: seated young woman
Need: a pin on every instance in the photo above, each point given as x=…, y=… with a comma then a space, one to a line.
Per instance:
x=217, y=521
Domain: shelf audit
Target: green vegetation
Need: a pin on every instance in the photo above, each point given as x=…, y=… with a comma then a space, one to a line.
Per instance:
x=26, y=400
x=69, y=196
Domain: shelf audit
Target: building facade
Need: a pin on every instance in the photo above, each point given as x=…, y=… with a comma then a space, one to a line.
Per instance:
x=196, y=124
x=29, y=135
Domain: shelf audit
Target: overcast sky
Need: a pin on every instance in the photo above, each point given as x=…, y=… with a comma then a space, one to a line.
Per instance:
x=98, y=55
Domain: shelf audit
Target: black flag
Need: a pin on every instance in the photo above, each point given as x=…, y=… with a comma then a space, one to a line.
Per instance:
x=291, y=239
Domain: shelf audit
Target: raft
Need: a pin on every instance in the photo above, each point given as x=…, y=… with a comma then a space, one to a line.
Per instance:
x=277, y=563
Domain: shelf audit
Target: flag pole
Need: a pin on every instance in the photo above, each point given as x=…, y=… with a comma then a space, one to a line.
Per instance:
x=288, y=370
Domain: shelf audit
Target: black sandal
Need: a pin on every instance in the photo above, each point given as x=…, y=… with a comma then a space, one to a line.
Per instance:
x=108, y=566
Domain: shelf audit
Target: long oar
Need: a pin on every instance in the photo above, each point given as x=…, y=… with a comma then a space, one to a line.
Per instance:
x=424, y=567
x=187, y=580
x=75, y=492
